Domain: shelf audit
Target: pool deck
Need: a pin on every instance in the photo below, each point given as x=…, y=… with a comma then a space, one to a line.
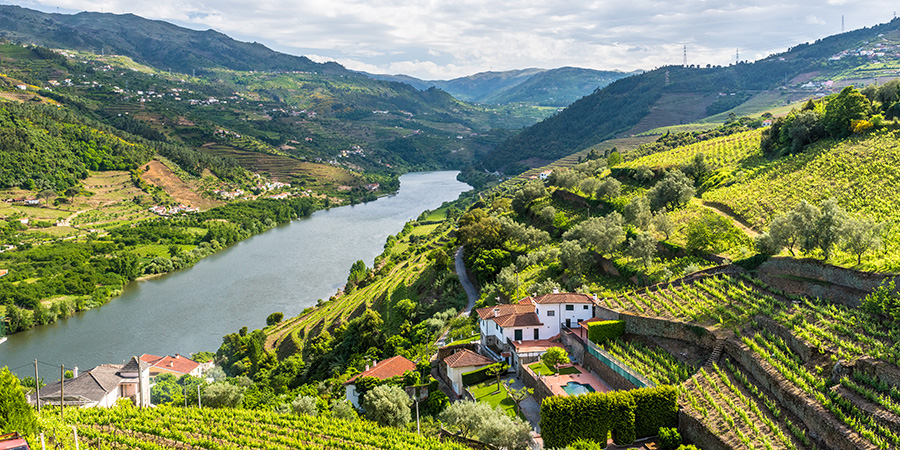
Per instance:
x=556, y=382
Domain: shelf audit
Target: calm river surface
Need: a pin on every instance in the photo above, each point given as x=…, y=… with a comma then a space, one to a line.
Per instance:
x=285, y=269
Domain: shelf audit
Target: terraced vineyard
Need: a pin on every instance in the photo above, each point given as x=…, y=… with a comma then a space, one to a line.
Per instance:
x=658, y=366
x=720, y=299
x=733, y=408
x=193, y=428
x=726, y=151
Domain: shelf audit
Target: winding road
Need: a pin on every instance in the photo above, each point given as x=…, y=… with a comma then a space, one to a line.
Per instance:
x=467, y=284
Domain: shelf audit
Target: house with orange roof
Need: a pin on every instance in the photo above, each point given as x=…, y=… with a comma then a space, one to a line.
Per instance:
x=176, y=365
x=383, y=370
x=461, y=362
x=534, y=318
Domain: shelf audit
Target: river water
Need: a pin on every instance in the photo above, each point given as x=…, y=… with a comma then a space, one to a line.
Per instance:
x=285, y=269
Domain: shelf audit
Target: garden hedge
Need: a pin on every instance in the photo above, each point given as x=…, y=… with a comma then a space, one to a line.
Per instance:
x=600, y=332
x=479, y=375
x=627, y=414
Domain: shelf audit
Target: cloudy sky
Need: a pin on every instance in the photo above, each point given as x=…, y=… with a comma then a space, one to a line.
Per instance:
x=442, y=39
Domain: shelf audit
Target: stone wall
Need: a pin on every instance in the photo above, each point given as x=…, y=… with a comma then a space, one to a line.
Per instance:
x=650, y=326
x=824, y=429
x=796, y=345
x=573, y=345
x=532, y=380
x=813, y=278
x=694, y=432
x=884, y=371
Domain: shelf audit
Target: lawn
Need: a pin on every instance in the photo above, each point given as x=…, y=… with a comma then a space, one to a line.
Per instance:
x=466, y=340
x=487, y=392
x=541, y=369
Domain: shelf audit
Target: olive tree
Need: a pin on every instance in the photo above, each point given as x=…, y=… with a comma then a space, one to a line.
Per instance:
x=673, y=190
x=388, y=405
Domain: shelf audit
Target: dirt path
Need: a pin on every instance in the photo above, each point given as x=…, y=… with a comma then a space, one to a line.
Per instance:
x=729, y=215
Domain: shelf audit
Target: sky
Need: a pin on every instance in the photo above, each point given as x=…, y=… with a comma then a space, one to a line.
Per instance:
x=444, y=39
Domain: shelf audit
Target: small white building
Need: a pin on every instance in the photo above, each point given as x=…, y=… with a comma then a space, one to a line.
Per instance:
x=383, y=370
x=461, y=362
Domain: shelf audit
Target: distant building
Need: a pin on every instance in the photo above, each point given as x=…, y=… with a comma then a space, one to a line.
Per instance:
x=176, y=365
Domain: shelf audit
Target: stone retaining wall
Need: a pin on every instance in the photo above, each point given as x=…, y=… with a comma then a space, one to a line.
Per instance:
x=795, y=344
x=813, y=278
x=884, y=371
x=530, y=379
x=694, y=432
x=824, y=429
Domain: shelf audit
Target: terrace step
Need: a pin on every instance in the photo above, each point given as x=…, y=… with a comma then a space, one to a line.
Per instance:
x=716, y=353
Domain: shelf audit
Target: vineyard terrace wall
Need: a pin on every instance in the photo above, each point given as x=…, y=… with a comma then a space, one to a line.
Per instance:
x=693, y=431
x=824, y=428
x=651, y=326
x=813, y=278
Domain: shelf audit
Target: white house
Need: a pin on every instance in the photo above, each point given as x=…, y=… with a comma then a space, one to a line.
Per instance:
x=383, y=370
x=462, y=362
x=101, y=386
x=541, y=318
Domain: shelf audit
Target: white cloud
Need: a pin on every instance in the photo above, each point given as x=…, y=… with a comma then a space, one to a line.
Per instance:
x=437, y=39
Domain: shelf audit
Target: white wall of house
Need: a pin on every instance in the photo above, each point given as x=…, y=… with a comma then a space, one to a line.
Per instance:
x=455, y=376
x=352, y=395
x=527, y=333
x=554, y=314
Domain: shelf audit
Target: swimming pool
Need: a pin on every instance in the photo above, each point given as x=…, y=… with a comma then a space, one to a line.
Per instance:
x=573, y=388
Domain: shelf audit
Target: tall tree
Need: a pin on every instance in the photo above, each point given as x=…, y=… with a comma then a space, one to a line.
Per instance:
x=673, y=190
x=862, y=235
x=15, y=413
x=843, y=109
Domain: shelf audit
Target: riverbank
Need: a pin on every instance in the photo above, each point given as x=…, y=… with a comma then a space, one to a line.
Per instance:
x=286, y=269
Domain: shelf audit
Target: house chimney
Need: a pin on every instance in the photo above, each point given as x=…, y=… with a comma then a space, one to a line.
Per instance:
x=367, y=367
x=556, y=290
x=595, y=298
x=496, y=312
x=374, y=363
x=75, y=372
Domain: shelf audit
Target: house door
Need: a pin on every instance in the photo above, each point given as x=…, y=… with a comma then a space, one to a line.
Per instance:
x=518, y=335
x=568, y=323
x=537, y=333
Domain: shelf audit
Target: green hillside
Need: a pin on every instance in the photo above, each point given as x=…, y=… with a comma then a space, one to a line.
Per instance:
x=151, y=42
x=623, y=104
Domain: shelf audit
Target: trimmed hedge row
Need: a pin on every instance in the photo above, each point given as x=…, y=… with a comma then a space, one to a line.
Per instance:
x=600, y=332
x=479, y=375
x=629, y=415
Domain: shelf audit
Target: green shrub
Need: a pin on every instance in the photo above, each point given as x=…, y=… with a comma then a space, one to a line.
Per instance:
x=627, y=414
x=585, y=444
x=479, y=375
x=669, y=438
x=600, y=332
x=655, y=408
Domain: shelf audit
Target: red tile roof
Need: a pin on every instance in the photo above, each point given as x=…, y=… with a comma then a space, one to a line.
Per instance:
x=389, y=368
x=466, y=358
x=518, y=315
x=564, y=297
x=175, y=363
x=503, y=310
x=529, y=319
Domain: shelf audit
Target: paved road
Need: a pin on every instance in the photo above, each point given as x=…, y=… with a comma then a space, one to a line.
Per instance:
x=471, y=292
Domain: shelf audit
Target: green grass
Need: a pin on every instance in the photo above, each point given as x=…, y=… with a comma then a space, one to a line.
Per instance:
x=466, y=340
x=541, y=369
x=487, y=392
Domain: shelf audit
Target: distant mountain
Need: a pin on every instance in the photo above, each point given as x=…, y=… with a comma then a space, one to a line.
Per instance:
x=674, y=94
x=152, y=42
x=554, y=87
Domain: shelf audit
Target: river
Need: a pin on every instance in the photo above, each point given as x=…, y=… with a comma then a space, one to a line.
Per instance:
x=285, y=269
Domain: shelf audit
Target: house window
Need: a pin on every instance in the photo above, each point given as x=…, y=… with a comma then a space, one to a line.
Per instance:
x=585, y=306
x=496, y=327
x=537, y=333
x=518, y=335
x=570, y=307
x=551, y=313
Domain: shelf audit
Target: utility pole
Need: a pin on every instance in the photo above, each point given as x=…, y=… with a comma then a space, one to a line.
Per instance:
x=198, y=397
x=62, y=382
x=842, y=23
x=684, y=61
x=737, y=56
x=37, y=387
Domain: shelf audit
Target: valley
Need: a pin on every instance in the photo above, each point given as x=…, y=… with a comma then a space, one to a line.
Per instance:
x=684, y=257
